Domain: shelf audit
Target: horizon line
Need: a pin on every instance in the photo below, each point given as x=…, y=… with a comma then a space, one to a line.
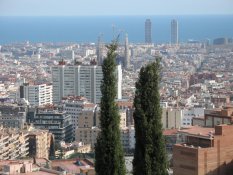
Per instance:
x=117, y=15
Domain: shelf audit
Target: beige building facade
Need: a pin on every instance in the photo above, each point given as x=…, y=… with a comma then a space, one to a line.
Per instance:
x=39, y=143
x=13, y=144
x=171, y=118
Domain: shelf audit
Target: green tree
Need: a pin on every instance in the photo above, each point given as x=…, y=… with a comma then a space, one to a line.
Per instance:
x=150, y=155
x=109, y=156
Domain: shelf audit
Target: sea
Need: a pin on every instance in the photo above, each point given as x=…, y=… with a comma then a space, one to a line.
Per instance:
x=86, y=29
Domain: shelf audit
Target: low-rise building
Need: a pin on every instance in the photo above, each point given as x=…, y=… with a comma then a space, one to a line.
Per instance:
x=171, y=138
x=189, y=114
x=74, y=166
x=205, y=153
x=219, y=116
x=28, y=166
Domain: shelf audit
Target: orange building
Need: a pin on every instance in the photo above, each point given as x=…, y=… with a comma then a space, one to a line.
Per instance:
x=209, y=154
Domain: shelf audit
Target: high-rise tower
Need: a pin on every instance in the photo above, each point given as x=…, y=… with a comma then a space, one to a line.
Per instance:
x=99, y=50
x=148, y=37
x=174, y=32
x=127, y=58
x=80, y=80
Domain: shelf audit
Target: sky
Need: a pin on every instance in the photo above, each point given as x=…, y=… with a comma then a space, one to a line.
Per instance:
x=114, y=7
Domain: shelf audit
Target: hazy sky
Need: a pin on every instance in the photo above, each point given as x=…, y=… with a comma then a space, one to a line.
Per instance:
x=113, y=7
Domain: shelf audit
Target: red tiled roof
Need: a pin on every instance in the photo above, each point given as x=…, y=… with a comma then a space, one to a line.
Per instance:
x=168, y=132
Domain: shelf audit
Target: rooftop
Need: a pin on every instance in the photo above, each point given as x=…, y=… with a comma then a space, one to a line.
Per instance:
x=73, y=165
x=197, y=130
x=168, y=132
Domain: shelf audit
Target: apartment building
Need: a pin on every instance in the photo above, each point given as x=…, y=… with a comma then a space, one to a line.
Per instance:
x=76, y=106
x=128, y=138
x=37, y=95
x=171, y=117
x=89, y=128
x=13, y=115
x=13, y=144
x=40, y=142
x=56, y=121
x=87, y=135
x=13, y=121
x=126, y=105
x=80, y=80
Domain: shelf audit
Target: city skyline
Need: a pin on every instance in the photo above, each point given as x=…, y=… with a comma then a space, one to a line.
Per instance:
x=105, y=8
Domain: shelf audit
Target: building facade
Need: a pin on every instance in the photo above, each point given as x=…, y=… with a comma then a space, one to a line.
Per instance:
x=171, y=118
x=128, y=138
x=13, y=115
x=40, y=142
x=56, y=121
x=13, y=121
x=217, y=117
x=99, y=51
x=80, y=80
x=13, y=144
x=189, y=114
x=148, y=36
x=127, y=56
x=37, y=95
x=87, y=135
x=76, y=107
x=89, y=128
x=205, y=154
x=174, y=32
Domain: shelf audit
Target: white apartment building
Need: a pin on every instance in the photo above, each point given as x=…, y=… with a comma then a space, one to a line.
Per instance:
x=37, y=95
x=188, y=115
x=80, y=80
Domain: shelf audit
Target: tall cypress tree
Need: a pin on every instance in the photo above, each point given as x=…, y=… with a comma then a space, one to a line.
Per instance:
x=149, y=156
x=108, y=149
